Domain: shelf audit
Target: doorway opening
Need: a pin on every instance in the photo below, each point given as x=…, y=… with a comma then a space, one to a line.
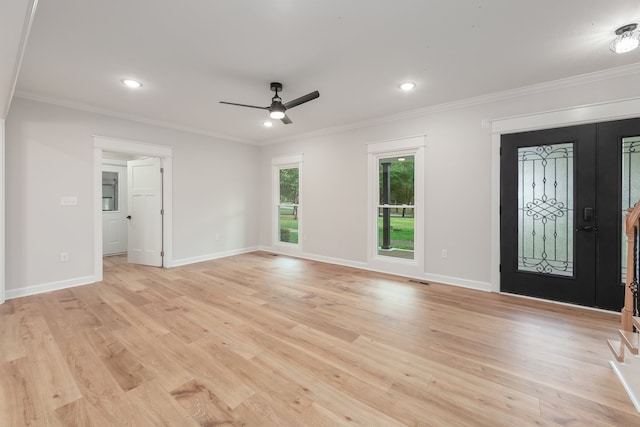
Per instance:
x=144, y=215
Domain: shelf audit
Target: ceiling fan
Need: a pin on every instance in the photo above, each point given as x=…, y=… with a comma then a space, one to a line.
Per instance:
x=277, y=108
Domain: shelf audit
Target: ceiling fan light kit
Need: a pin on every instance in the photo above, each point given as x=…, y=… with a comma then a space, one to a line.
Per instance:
x=277, y=110
x=627, y=39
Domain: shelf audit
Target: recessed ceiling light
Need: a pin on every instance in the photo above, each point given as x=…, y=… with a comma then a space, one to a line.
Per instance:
x=268, y=124
x=408, y=86
x=134, y=84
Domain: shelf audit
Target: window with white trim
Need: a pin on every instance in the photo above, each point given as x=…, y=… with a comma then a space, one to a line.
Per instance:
x=286, y=199
x=396, y=205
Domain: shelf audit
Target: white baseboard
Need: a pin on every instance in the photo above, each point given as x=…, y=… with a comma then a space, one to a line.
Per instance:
x=54, y=286
x=48, y=287
x=457, y=281
x=319, y=258
x=454, y=281
x=209, y=257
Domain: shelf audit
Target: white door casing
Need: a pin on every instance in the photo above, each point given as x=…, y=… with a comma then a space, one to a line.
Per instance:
x=114, y=145
x=144, y=188
x=114, y=223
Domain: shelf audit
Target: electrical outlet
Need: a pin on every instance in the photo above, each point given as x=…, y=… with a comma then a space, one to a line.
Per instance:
x=444, y=253
x=64, y=256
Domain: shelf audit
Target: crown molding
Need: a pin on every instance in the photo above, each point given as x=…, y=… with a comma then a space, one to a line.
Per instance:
x=568, y=82
x=106, y=112
x=30, y=13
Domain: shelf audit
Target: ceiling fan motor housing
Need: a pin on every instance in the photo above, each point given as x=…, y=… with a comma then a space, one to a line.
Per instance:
x=276, y=87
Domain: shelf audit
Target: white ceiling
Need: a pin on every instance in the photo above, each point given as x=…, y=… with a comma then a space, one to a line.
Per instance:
x=191, y=54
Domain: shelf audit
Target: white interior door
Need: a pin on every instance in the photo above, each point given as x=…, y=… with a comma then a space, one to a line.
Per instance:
x=114, y=210
x=145, y=212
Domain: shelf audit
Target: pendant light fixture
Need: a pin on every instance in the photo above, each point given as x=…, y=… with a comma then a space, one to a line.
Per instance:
x=627, y=39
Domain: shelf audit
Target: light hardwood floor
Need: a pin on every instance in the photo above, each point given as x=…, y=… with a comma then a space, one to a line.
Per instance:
x=264, y=340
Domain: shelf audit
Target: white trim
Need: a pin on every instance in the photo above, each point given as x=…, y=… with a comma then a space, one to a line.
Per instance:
x=131, y=147
x=444, y=280
x=165, y=154
x=611, y=110
x=2, y=213
x=397, y=144
x=457, y=281
x=292, y=159
x=415, y=146
x=209, y=257
x=131, y=117
x=539, y=88
x=24, y=37
x=48, y=287
x=278, y=163
x=604, y=111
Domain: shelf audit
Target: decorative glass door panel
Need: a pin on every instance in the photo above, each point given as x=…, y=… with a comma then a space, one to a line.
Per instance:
x=563, y=194
x=545, y=209
x=548, y=214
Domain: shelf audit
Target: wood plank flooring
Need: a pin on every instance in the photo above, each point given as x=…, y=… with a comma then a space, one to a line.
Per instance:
x=264, y=340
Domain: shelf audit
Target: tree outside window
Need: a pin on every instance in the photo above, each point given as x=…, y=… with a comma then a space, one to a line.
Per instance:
x=289, y=179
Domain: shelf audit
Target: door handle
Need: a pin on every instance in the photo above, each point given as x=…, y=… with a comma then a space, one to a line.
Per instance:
x=128, y=216
x=587, y=228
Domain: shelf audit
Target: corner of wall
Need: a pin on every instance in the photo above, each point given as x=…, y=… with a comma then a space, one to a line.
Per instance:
x=2, y=270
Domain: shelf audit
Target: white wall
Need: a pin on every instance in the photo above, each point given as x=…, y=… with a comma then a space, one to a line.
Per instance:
x=2, y=213
x=221, y=190
x=458, y=176
x=49, y=154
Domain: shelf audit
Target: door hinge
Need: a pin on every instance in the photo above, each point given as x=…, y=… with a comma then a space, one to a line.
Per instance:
x=161, y=253
x=501, y=151
x=161, y=170
x=499, y=268
x=161, y=211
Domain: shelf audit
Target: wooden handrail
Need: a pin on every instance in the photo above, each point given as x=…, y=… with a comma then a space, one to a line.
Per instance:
x=630, y=222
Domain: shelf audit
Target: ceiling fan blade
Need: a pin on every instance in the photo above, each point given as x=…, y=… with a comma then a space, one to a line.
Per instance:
x=286, y=120
x=306, y=98
x=244, y=105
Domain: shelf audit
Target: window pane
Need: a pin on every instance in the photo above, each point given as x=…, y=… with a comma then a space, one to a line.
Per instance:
x=401, y=233
x=109, y=191
x=288, y=223
x=545, y=209
x=396, y=225
x=289, y=184
x=288, y=207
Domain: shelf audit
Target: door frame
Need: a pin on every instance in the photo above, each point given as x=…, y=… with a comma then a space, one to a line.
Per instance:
x=165, y=153
x=592, y=113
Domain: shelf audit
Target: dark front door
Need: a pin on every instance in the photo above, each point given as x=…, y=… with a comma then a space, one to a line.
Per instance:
x=563, y=196
x=548, y=225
